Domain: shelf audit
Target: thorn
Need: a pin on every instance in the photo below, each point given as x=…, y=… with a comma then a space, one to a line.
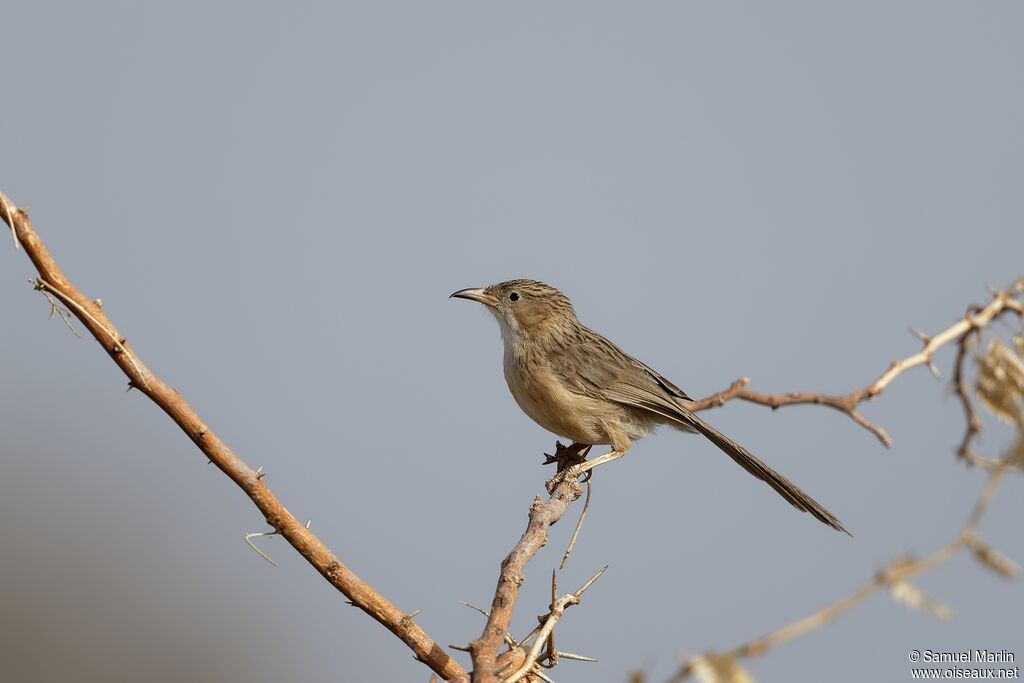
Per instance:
x=552, y=651
x=248, y=540
x=10, y=221
x=474, y=607
x=260, y=473
x=578, y=658
x=98, y=302
x=934, y=370
x=411, y=615
x=590, y=582
x=460, y=648
x=579, y=524
x=920, y=335
x=308, y=522
x=131, y=385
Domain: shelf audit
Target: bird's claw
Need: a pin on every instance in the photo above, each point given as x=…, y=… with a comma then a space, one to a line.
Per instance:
x=568, y=474
x=559, y=455
x=566, y=456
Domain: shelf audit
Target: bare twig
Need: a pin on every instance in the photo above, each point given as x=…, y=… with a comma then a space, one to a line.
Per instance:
x=5, y=205
x=552, y=652
x=58, y=309
x=91, y=315
x=1002, y=302
x=972, y=422
x=897, y=573
x=509, y=640
x=83, y=314
x=257, y=534
x=558, y=608
x=576, y=531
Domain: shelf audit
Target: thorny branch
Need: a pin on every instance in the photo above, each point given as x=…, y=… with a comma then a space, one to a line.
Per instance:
x=896, y=575
x=486, y=662
x=52, y=281
x=544, y=633
x=1005, y=301
x=893, y=577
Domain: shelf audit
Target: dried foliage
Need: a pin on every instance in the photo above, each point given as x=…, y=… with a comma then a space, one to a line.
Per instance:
x=1000, y=383
x=913, y=597
x=712, y=668
x=990, y=558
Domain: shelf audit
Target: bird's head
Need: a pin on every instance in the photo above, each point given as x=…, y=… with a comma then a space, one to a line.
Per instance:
x=524, y=307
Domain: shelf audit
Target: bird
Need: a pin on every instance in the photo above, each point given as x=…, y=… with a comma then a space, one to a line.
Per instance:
x=575, y=383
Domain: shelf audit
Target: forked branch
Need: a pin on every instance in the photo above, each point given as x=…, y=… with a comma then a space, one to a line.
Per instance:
x=1002, y=302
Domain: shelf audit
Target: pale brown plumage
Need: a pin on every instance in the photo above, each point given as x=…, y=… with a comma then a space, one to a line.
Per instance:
x=577, y=384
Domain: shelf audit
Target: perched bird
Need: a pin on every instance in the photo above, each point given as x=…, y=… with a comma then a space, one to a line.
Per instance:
x=575, y=383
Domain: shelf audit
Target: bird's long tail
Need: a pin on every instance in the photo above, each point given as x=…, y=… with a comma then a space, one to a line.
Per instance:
x=745, y=459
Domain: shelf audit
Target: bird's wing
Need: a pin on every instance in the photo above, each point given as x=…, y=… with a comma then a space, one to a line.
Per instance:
x=652, y=399
x=594, y=367
x=670, y=388
x=611, y=375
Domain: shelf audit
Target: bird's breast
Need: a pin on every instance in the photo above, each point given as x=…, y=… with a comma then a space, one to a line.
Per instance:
x=542, y=396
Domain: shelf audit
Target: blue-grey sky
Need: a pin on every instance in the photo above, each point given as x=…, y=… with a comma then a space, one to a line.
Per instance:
x=275, y=202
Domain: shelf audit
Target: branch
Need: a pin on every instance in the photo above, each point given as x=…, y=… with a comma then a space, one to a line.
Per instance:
x=972, y=422
x=90, y=313
x=896, y=574
x=1002, y=302
x=558, y=608
x=563, y=491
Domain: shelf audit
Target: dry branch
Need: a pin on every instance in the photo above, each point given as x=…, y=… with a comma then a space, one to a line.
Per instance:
x=544, y=633
x=542, y=515
x=895, y=575
x=976, y=318
x=52, y=281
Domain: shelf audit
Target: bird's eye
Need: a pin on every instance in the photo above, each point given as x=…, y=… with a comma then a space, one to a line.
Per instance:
x=514, y=296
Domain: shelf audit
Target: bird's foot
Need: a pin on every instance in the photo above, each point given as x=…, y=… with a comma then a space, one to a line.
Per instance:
x=568, y=475
x=567, y=456
x=570, y=461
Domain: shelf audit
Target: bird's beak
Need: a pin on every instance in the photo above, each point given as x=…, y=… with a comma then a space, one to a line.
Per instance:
x=480, y=295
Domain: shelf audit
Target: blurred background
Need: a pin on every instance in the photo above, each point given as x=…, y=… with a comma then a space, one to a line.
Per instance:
x=275, y=202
